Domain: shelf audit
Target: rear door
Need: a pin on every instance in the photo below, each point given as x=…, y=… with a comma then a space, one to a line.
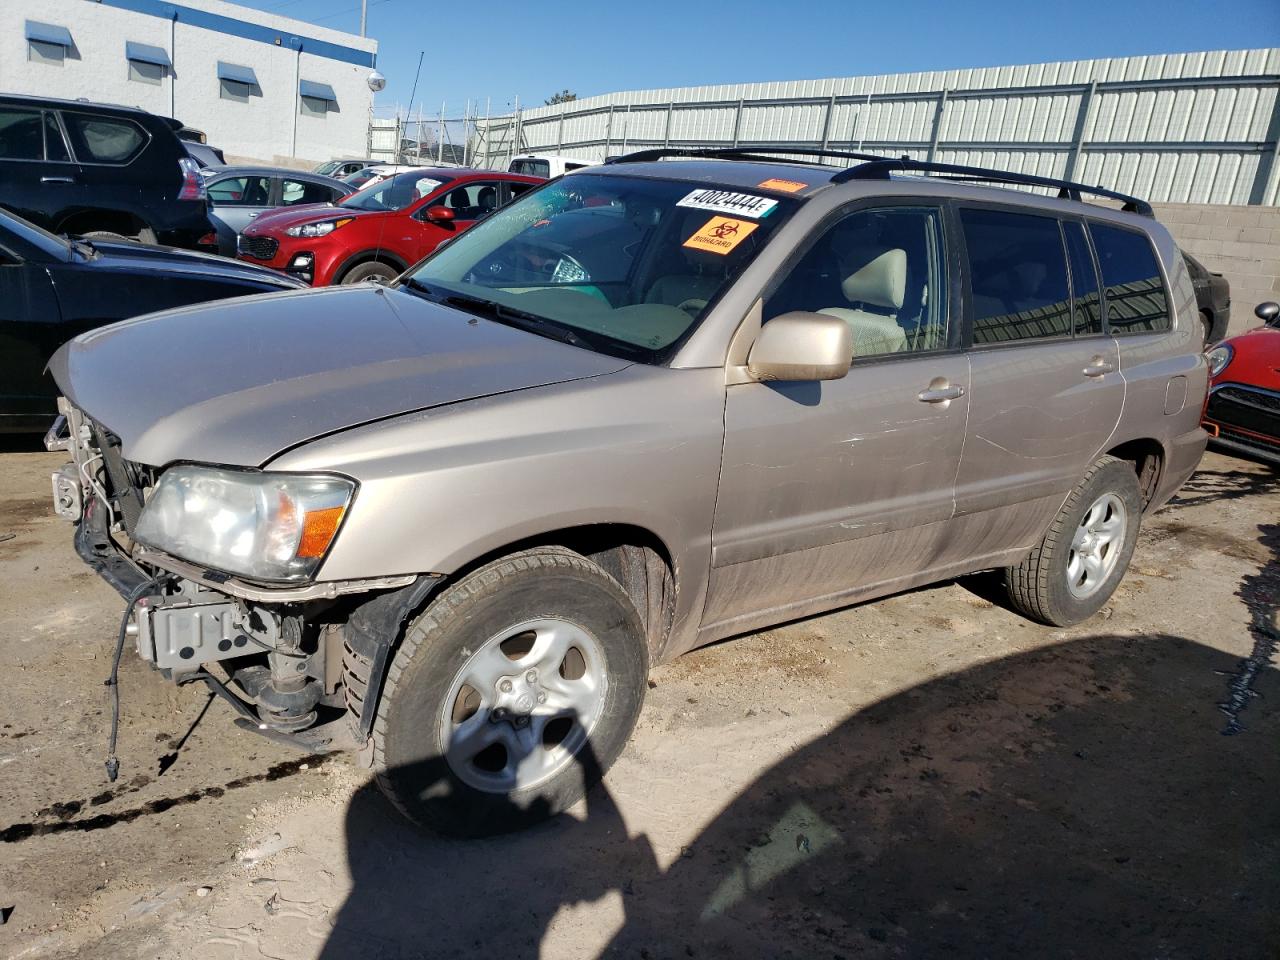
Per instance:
x=37, y=178
x=1046, y=385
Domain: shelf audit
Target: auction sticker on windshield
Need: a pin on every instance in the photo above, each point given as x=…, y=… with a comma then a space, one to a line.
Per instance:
x=725, y=201
x=720, y=235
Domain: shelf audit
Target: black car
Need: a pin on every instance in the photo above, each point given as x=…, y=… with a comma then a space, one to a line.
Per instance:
x=94, y=170
x=1213, y=297
x=52, y=289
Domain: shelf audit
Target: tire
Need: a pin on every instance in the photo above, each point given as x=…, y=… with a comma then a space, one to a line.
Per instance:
x=1040, y=587
x=373, y=270
x=1206, y=321
x=145, y=235
x=458, y=789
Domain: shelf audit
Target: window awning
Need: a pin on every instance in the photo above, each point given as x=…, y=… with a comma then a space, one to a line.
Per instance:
x=232, y=71
x=49, y=33
x=145, y=53
x=318, y=91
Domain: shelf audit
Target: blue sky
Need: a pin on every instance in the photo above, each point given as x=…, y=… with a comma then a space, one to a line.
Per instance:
x=532, y=49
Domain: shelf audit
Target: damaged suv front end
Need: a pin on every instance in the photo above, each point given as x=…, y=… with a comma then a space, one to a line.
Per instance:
x=243, y=594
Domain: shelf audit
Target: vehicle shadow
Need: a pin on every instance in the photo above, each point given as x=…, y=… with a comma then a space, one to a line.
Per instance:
x=1212, y=486
x=1079, y=800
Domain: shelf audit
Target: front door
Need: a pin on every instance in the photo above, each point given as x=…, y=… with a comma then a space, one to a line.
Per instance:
x=830, y=488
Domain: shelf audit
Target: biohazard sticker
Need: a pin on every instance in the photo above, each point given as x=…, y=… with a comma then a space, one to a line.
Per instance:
x=726, y=201
x=720, y=235
x=784, y=186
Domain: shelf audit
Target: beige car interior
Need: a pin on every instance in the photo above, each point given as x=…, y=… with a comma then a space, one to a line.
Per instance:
x=875, y=292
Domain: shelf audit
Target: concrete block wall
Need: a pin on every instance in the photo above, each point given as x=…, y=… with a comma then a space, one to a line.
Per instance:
x=1240, y=242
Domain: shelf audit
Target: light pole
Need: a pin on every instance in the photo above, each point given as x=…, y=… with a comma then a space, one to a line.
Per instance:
x=364, y=14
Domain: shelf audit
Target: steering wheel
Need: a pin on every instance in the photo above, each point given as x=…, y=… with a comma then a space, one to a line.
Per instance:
x=693, y=306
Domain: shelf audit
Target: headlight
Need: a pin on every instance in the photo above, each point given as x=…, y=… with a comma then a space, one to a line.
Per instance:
x=266, y=526
x=1218, y=359
x=321, y=229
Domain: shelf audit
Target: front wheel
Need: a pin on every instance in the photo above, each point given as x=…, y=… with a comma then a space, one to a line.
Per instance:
x=1074, y=570
x=373, y=272
x=512, y=694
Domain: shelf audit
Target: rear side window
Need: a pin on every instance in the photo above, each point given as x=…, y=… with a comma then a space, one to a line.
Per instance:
x=1084, y=281
x=104, y=139
x=303, y=191
x=241, y=192
x=1017, y=275
x=531, y=168
x=1135, y=295
x=21, y=137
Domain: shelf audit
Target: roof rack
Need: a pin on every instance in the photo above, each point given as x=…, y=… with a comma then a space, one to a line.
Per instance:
x=751, y=152
x=876, y=167
x=881, y=168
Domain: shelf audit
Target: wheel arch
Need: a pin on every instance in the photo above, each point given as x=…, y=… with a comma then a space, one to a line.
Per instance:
x=636, y=557
x=122, y=222
x=369, y=256
x=1147, y=457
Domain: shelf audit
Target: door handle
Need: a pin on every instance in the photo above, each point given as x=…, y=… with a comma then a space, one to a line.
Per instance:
x=941, y=394
x=57, y=180
x=1098, y=367
x=252, y=215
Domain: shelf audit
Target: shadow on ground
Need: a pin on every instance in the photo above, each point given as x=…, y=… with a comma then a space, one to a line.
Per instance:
x=1081, y=801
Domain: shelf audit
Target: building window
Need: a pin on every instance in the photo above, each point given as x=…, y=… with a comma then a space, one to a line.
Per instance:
x=312, y=107
x=141, y=72
x=234, y=90
x=237, y=83
x=316, y=99
x=147, y=64
x=48, y=43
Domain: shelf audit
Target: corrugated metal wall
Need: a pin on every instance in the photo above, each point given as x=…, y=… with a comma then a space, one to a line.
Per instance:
x=1181, y=128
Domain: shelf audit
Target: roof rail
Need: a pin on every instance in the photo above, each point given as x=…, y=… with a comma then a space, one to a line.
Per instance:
x=881, y=168
x=757, y=151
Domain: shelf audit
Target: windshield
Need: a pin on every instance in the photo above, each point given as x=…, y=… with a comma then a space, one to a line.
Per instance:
x=394, y=193
x=631, y=264
x=327, y=168
x=27, y=232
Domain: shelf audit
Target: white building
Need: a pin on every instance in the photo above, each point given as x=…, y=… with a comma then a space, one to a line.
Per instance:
x=262, y=87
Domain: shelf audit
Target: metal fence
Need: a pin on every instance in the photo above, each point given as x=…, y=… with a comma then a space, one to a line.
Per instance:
x=1184, y=128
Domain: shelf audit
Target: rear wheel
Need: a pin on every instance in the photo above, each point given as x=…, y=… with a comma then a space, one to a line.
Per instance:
x=511, y=695
x=1206, y=321
x=1074, y=570
x=367, y=272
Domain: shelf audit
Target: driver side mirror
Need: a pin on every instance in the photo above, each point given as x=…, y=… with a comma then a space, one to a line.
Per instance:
x=1268, y=312
x=802, y=346
x=438, y=214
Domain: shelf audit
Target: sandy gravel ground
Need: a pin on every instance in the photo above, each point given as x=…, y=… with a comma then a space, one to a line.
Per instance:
x=925, y=776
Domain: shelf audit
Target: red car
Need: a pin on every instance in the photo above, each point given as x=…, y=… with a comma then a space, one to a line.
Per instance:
x=1243, y=411
x=381, y=230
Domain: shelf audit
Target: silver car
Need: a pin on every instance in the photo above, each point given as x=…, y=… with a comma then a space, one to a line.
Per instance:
x=453, y=521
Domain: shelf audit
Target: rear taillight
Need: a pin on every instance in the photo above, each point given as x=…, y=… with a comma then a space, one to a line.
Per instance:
x=192, y=182
x=210, y=239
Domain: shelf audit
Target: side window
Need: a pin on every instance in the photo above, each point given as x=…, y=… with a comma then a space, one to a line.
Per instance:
x=516, y=189
x=881, y=271
x=20, y=134
x=241, y=192
x=104, y=139
x=1017, y=276
x=1084, y=281
x=302, y=191
x=471, y=202
x=1134, y=290
x=55, y=147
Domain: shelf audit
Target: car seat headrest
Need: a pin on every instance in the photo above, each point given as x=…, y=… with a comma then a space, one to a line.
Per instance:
x=882, y=282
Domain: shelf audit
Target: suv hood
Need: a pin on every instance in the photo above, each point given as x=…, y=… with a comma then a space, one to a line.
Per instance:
x=240, y=381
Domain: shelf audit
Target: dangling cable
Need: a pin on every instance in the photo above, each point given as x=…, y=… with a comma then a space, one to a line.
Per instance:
x=113, y=765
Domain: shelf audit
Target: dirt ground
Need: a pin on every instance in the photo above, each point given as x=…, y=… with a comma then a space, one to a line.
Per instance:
x=928, y=775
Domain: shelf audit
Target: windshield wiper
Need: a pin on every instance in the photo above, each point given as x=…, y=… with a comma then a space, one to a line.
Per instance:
x=82, y=246
x=511, y=316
